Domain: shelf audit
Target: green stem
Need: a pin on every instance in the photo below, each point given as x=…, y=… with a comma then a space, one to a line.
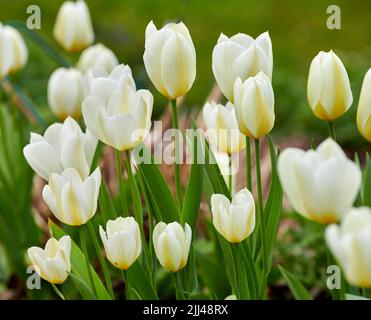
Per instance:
x=126, y=281
x=120, y=182
x=261, y=208
x=237, y=277
x=248, y=164
x=58, y=292
x=230, y=177
x=177, y=154
x=102, y=261
x=178, y=291
x=331, y=129
x=85, y=251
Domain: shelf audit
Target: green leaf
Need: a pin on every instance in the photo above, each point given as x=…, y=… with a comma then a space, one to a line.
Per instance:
x=106, y=206
x=297, y=289
x=366, y=190
x=82, y=287
x=349, y=296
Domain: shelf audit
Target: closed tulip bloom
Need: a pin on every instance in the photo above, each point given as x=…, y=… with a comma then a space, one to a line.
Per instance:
x=66, y=92
x=71, y=199
x=254, y=105
x=170, y=59
x=329, y=92
x=172, y=244
x=320, y=184
x=222, y=127
x=115, y=112
x=97, y=55
x=350, y=243
x=235, y=220
x=122, y=241
x=62, y=146
x=73, y=28
x=52, y=263
x=364, y=108
x=241, y=56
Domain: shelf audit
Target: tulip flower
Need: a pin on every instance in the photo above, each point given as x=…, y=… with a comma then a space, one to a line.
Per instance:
x=97, y=55
x=321, y=185
x=364, y=108
x=254, y=105
x=66, y=92
x=52, y=263
x=241, y=56
x=222, y=127
x=170, y=59
x=73, y=28
x=115, y=112
x=62, y=146
x=122, y=241
x=235, y=220
x=172, y=244
x=71, y=199
x=350, y=244
x=329, y=92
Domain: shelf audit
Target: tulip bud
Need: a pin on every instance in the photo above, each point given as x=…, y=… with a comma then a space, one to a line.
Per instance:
x=172, y=244
x=235, y=220
x=115, y=112
x=321, y=185
x=122, y=241
x=350, y=244
x=170, y=59
x=73, y=28
x=62, y=146
x=97, y=55
x=222, y=127
x=66, y=92
x=243, y=57
x=329, y=92
x=71, y=199
x=254, y=105
x=364, y=108
x=52, y=263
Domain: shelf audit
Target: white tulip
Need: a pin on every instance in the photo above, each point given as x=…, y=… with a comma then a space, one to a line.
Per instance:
x=62, y=146
x=241, y=56
x=172, y=244
x=122, y=241
x=320, y=184
x=114, y=111
x=350, y=243
x=329, y=92
x=222, y=127
x=170, y=59
x=364, y=107
x=66, y=92
x=235, y=220
x=254, y=105
x=73, y=28
x=52, y=263
x=97, y=55
x=71, y=199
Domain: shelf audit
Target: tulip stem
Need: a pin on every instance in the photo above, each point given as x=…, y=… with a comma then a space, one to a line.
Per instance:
x=230, y=180
x=261, y=218
x=331, y=129
x=177, y=154
x=120, y=183
x=58, y=292
x=126, y=281
x=248, y=164
x=88, y=266
x=178, y=291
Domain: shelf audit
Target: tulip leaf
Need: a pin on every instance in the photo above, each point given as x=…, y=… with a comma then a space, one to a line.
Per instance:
x=349, y=296
x=366, y=190
x=81, y=286
x=79, y=266
x=106, y=206
x=297, y=289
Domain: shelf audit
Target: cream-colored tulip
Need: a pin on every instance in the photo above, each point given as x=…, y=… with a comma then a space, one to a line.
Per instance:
x=364, y=108
x=66, y=92
x=97, y=55
x=122, y=241
x=172, y=244
x=350, y=243
x=241, y=56
x=170, y=59
x=52, y=263
x=73, y=29
x=62, y=146
x=320, y=184
x=222, y=127
x=115, y=112
x=329, y=92
x=254, y=105
x=71, y=199
x=234, y=220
